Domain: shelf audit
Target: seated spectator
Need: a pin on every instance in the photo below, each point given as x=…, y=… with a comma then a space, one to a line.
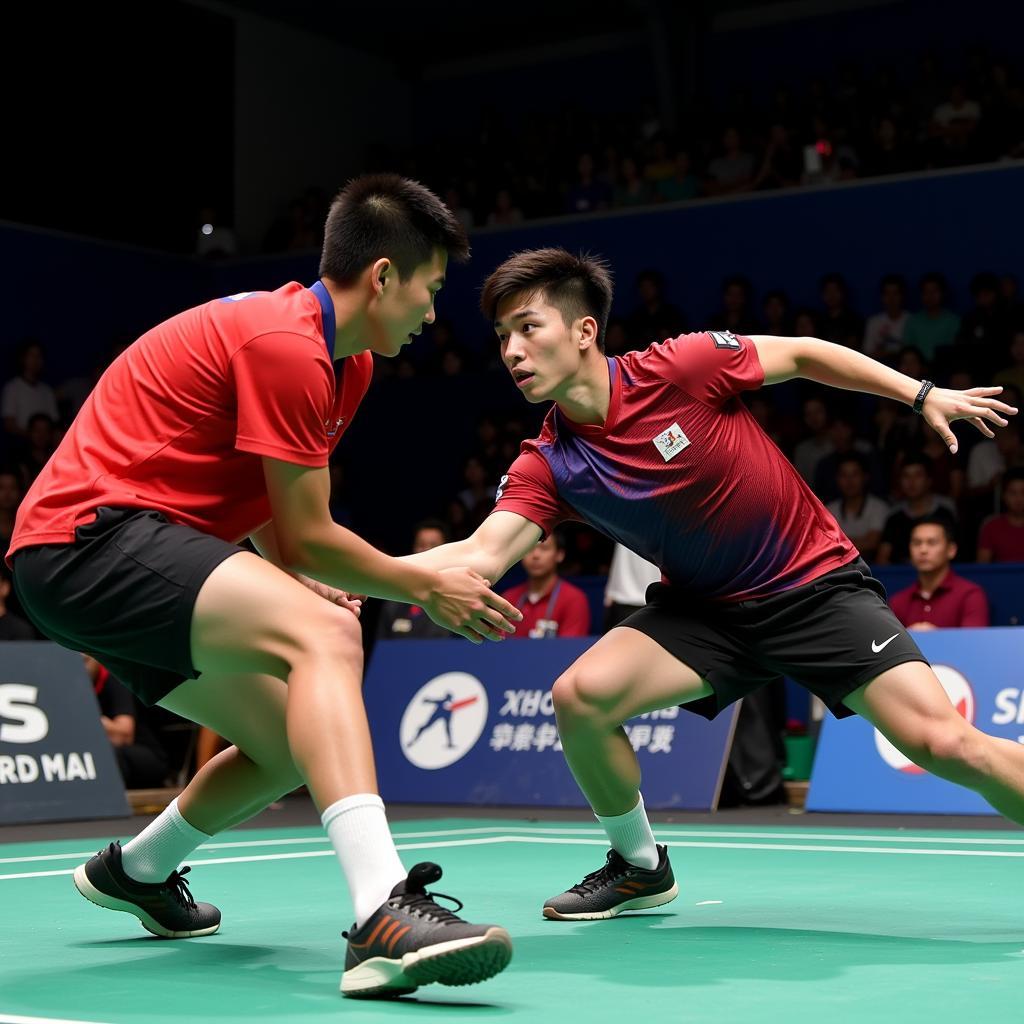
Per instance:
x=918, y=502
x=934, y=326
x=27, y=394
x=1002, y=537
x=589, y=192
x=805, y=324
x=41, y=442
x=939, y=599
x=654, y=319
x=733, y=170
x=888, y=153
x=839, y=324
x=683, y=183
x=860, y=515
x=811, y=450
x=735, y=314
x=985, y=330
x=632, y=189
x=478, y=495
x=910, y=361
x=953, y=129
x=551, y=606
x=775, y=314
x=10, y=499
x=399, y=621
x=658, y=165
x=12, y=627
x=782, y=164
x=505, y=210
x=628, y=580
x=844, y=442
x=1014, y=373
x=140, y=757
x=883, y=332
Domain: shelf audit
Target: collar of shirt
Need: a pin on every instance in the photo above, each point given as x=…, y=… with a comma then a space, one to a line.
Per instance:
x=327, y=309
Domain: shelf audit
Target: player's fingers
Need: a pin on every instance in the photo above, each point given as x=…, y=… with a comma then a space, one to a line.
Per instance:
x=506, y=608
x=492, y=620
x=988, y=414
x=982, y=426
x=984, y=391
x=941, y=426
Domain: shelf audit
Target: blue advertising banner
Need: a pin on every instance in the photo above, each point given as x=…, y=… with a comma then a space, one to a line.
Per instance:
x=455, y=723
x=857, y=769
x=56, y=763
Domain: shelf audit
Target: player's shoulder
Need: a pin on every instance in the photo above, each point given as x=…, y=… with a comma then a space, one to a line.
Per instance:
x=289, y=310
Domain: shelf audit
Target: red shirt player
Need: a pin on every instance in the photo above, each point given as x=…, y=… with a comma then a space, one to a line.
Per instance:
x=657, y=450
x=214, y=426
x=551, y=606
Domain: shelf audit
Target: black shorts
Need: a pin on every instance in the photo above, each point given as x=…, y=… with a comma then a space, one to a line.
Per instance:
x=123, y=591
x=831, y=636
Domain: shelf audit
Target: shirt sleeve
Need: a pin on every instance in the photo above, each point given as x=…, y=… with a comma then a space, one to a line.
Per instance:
x=975, y=610
x=528, y=489
x=574, y=616
x=284, y=391
x=712, y=366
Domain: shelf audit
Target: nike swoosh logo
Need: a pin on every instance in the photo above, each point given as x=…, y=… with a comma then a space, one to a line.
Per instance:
x=885, y=643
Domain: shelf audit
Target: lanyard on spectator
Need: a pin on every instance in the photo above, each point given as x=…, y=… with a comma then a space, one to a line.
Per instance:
x=327, y=307
x=551, y=600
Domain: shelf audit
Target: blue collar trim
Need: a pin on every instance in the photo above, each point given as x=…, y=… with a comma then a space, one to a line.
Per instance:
x=327, y=306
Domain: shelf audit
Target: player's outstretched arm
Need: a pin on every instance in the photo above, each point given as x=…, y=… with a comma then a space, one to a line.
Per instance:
x=841, y=367
x=500, y=541
x=309, y=542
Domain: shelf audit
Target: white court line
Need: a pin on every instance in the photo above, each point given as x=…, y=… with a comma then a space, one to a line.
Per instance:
x=526, y=830
x=551, y=841
x=8, y=1019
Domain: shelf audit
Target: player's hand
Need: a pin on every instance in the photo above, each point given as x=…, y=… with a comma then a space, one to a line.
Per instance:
x=464, y=603
x=339, y=597
x=978, y=406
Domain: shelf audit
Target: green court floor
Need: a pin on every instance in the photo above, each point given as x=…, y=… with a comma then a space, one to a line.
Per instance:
x=794, y=925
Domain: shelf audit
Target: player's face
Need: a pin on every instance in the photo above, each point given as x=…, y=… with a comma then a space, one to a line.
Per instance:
x=403, y=307
x=537, y=346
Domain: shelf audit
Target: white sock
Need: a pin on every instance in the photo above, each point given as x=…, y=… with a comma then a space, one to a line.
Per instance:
x=161, y=846
x=358, y=830
x=631, y=836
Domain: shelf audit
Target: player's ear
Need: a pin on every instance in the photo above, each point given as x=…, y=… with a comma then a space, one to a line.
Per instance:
x=380, y=273
x=587, y=327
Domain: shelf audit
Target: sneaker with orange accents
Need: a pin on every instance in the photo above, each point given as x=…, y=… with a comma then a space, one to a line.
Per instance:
x=613, y=888
x=411, y=940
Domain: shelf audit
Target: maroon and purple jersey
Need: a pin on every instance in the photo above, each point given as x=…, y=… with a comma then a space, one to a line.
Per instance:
x=682, y=474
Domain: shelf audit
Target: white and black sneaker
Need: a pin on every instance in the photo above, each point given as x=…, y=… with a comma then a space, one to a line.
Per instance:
x=411, y=941
x=164, y=908
x=613, y=888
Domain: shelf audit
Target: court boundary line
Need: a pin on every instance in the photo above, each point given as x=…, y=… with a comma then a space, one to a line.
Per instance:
x=661, y=833
x=565, y=841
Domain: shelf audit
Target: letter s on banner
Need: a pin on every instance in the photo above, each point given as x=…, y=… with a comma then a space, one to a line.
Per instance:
x=17, y=703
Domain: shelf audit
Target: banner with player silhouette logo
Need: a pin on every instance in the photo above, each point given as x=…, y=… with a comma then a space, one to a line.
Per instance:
x=456, y=723
x=858, y=769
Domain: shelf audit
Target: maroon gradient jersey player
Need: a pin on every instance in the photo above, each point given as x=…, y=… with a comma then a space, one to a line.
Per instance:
x=657, y=450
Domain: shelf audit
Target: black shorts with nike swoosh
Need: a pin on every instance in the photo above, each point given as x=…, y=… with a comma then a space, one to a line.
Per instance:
x=831, y=636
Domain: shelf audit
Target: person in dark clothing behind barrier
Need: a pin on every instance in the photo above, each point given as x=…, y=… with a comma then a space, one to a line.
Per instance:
x=142, y=762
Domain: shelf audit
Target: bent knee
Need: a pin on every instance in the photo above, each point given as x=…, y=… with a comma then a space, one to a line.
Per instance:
x=585, y=692
x=945, y=743
x=334, y=633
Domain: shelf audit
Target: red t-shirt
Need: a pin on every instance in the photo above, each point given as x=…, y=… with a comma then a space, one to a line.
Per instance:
x=955, y=602
x=180, y=420
x=563, y=604
x=681, y=473
x=1003, y=539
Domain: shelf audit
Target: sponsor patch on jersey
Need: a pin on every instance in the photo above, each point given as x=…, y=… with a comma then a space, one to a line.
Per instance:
x=671, y=442
x=725, y=339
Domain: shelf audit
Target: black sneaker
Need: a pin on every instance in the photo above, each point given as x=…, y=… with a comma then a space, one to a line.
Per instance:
x=411, y=941
x=164, y=908
x=616, y=887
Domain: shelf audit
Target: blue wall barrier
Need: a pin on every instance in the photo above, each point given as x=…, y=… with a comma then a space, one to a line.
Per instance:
x=455, y=723
x=856, y=769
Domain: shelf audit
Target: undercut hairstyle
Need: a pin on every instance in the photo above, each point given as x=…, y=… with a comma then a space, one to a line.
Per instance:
x=386, y=215
x=577, y=286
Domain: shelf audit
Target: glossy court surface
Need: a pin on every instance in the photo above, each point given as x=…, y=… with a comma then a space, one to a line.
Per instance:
x=786, y=924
